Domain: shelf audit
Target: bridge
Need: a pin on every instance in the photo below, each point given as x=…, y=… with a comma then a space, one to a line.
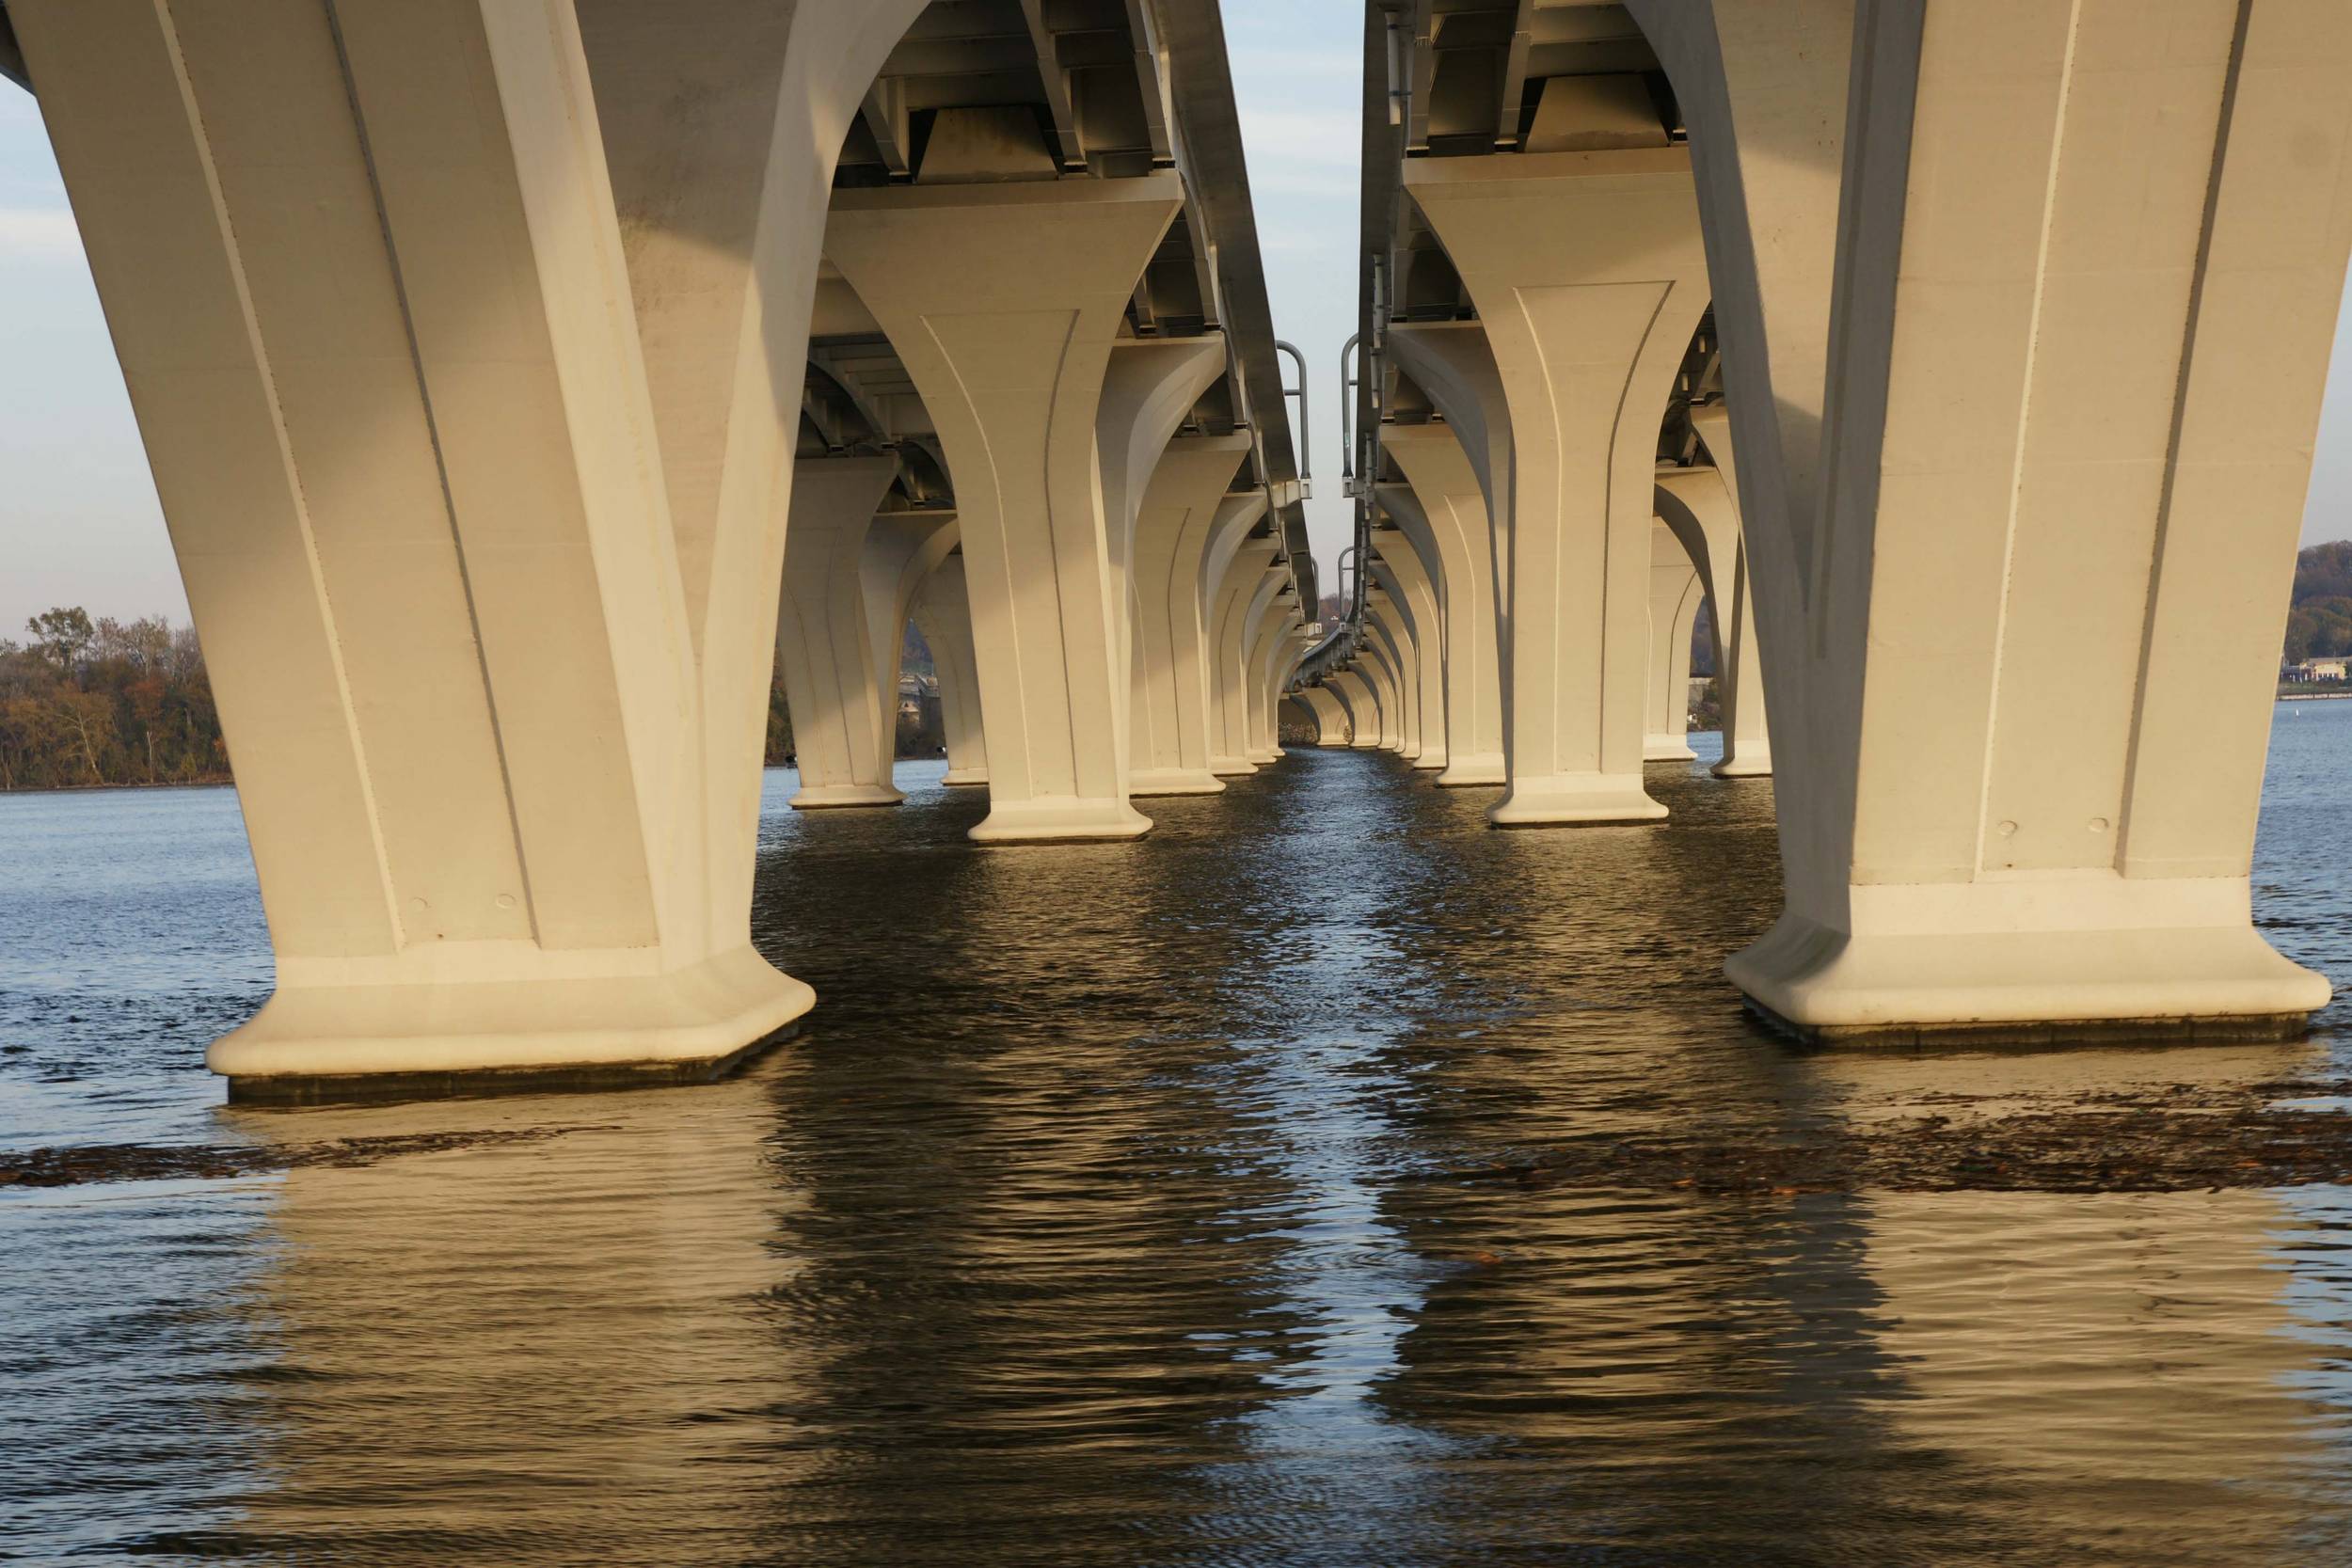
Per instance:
x=525, y=381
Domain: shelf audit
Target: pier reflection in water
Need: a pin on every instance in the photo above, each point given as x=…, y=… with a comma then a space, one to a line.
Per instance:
x=1134, y=1204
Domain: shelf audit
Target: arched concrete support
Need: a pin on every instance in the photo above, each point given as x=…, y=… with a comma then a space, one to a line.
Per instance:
x=1589, y=274
x=1675, y=596
x=843, y=721
x=902, y=551
x=1298, y=641
x=1412, y=590
x=1445, y=514
x=1452, y=363
x=943, y=614
x=1363, y=708
x=494, y=689
x=2023, y=609
x=1699, y=506
x=1301, y=714
x=1151, y=384
x=1392, y=626
x=1259, y=675
x=1331, y=718
x=1169, y=740
x=1249, y=567
x=1379, y=665
x=1247, y=707
x=1004, y=301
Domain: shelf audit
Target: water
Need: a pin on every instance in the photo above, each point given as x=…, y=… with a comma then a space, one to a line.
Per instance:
x=1151, y=1204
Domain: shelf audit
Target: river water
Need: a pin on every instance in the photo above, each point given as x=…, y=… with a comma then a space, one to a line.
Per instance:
x=1152, y=1204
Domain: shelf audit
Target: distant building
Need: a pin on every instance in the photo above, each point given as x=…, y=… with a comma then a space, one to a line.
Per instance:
x=2311, y=670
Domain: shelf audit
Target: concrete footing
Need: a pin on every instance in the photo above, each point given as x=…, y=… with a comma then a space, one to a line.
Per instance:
x=1175, y=781
x=1048, y=820
x=1570, y=799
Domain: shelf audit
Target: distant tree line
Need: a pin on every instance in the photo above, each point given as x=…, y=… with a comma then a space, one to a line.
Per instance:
x=2319, y=624
x=106, y=702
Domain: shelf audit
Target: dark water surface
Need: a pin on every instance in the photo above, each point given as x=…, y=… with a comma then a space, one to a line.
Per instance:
x=1124, y=1205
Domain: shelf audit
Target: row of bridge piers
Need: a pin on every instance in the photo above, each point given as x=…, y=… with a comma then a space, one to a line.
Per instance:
x=1969, y=356
x=526, y=382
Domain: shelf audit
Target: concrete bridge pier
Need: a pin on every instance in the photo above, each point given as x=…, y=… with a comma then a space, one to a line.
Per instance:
x=1331, y=725
x=1190, y=493
x=1255, y=623
x=1363, y=711
x=1004, y=301
x=2021, y=467
x=1589, y=274
x=1265, y=676
x=1251, y=568
x=1150, y=388
x=490, y=645
x=1675, y=596
x=1391, y=651
x=1443, y=512
x=844, y=718
x=1413, y=590
x=942, y=613
x=1700, y=504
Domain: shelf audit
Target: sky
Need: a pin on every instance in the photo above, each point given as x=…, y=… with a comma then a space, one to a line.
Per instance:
x=79, y=522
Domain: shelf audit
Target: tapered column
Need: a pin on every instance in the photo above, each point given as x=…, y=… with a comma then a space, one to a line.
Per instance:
x=1700, y=505
x=1004, y=302
x=1331, y=717
x=843, y=720
x=1392, y=643
x=1255, y=624
x=1289, y=652
x=496, y=733
x=1675, y=596
x=1169, y=740
x=943, y=615
x=1151, y=387
x=1588, y=273
x=2023, y=609
x=1248, y=568
x=1377, y=666
x=1296, y=712
x=1398, y=569
x=1355, y=693
x=1445, y=514
x=1452, y=362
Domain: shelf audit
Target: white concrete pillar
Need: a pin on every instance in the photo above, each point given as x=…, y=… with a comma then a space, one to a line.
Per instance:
x=1004, y=301
x=1377, y=664
x=1168, y=736
x=1589, y=275
x=1255, y=623
x=2021, y=610
x=844, y=723
x=1444, y=513
x=1452, y=362
x=494, y=698
x=1699, y=504
x=1249, y=567
x=1150, y=388
x=1388, y=617
x=1413, y=586
x=1296, y=711
x=1356, y=694
x=943, y=615
x=1257, y=672
x=1331, y=717
x=1675, y=596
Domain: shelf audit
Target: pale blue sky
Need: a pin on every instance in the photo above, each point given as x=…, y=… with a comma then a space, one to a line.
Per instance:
x=78, y=519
